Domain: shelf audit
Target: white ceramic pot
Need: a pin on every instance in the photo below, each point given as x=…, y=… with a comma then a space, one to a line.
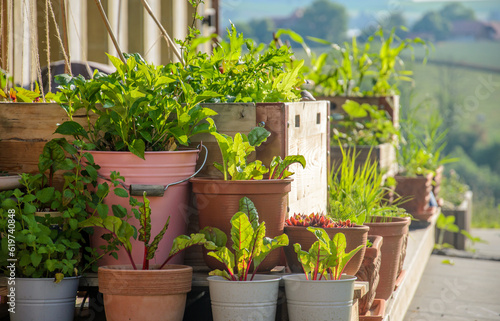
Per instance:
x=328, y=300
x=244, y=300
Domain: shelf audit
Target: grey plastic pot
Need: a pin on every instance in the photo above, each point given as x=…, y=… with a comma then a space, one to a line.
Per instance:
x=244, y=300
x=40, y=299
x=328, y=300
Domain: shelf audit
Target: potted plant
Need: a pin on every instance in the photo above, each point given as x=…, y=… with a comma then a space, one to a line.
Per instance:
x=235, y=291
x=322, y=291
x=217, y=199
x=296, y=229
x=369, y=130
x=136, y=126
x=40, y=235
x=359, y=194
x=161, y=288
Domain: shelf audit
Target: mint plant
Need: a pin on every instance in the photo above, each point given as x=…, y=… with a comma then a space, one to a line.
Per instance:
x=326, y=259
x=49, y=245
x=235, y=152
x=250, y=245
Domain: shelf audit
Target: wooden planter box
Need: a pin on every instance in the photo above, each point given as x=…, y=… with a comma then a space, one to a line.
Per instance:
x=384, y=155
x=389, y=104
x=463, y=215
x=297, y=128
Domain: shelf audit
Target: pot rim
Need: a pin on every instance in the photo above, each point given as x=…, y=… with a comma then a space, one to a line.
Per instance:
x=251, y=181
x=128, y=268
x=399, y=220
x=51, y=279
x=355, y=227
x=104, y=152
x=263, y=279
x=300, y=277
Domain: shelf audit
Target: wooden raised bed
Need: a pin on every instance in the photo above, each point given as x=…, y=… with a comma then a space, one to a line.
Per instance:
x=297, y=128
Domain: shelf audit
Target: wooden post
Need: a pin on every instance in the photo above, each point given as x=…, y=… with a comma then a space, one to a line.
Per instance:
x=110, y=32
x=4, y=31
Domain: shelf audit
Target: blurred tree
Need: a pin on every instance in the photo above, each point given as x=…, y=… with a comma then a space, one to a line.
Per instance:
x=433, y=23
x=457, y=11
x=323, y=19
x=260, y=30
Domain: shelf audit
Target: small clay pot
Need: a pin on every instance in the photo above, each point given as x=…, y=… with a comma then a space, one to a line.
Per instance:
x=129, y=294
x=393, y=230
x=369, y=272
x=355, y=236
x=416, y=193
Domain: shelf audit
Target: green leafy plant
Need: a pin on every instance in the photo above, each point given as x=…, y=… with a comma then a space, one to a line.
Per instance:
x=316, y=220
x=235, y=152
x=453, y=190
x=358, y=192
x=364, y=125
x=422, y=143
x=326, y=259
x=17, y=94
x=250, y=244
x=139, y=111
x=39, y=224
x=121, y=231
x=374, y=68
x=447, y=224
x=239, y=70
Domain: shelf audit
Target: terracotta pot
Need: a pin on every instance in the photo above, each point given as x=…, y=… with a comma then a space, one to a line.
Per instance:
x=392, y=229
x=355, y=236
x=159, y=168
x=436, y=185
x=369, y=272
x=218, y=200
x=402, y=256
x=416, y=190
x=152, y=294
x=10, y=181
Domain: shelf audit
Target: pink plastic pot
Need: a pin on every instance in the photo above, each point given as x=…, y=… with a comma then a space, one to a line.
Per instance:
x=159, y=168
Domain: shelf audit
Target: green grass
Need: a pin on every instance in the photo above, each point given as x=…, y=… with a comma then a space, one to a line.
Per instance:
x=485, y=214
x=483, y=53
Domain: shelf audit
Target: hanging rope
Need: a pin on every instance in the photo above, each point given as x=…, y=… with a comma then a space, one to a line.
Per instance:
x=47, y=39
x=34, y=49
x=24, y=16
x=110, y=32
x=58, y=36
x=10, y=13
x=163, y=31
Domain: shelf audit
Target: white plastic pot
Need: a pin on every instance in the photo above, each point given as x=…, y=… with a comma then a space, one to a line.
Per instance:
x=328, y=300
x=244, y=300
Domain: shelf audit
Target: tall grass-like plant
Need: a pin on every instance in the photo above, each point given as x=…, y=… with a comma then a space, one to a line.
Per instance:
x=357, y=193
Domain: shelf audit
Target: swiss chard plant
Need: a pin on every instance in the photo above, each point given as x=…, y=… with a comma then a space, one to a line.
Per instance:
x=364, y=125
x=250, y=245
x=120, y=232
x=235, y=152
x=326, y=259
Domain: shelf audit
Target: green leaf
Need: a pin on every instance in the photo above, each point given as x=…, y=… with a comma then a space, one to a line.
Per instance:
x=215, y=236
x=102, y=210
x=118, y=211
x=247, y=206
x=121, y=192
x=45, y=195
x=182, y=242
x=71, y=128
x=226, y=257
x=36, y=258
x=354, y=109
x=257, y=136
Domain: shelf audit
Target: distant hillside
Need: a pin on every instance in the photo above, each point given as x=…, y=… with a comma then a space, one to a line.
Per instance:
x=240, y=10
